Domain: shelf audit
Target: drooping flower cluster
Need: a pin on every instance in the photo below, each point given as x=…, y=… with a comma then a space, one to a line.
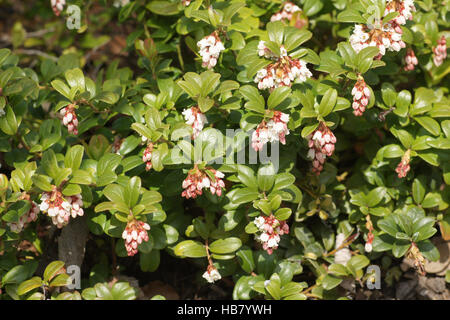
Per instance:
x=273, y=130
x=342, y=255
x=405, y=8
x=26, y=218
x=368, y=247
x=61, y=208
x=212, y=274
x=440, y=51
x=196, y=119
x=265, y=52
x=198, y=179
x=70, y=119
x=147, y=156
x=410, y=60
x=403, y=167
x=58, y=6
x=415, y=254
x=270, y=229
x=385, y=37
x=286, y=13
x=210, y=48
x=134, y=234
x=321, y=145
x=281, y=73
x=361, y=96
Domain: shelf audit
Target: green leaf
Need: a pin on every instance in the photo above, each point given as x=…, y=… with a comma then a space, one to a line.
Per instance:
x=388, y=93
x=266, y=177
x=62, y=88
x=400, y=248
x=274, y=287
x=247, y=176
x=351, y=15
x=330, y=281
x=74, y=157
x=364, y=58
x=358, y=262
x=42, y=182
x=402, y=102
x=115, y=193
x=328, y=102
x=431, y=125
x=283, y=213
x=52, y=269
x=375, y=196
x=61, y=280
x=255, y=100
x=246, y=260
x=278, y=96
x=418, y=190
x=275, y=31
x=149, y=262
x=190, y=248
x=75, y=79
x=9, y=123
x=227, y=245
x=295, y=38
x=71, y=189
x=29, y=285
x=164, y=8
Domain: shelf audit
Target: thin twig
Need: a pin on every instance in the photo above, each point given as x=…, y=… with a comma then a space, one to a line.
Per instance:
x=34, y=52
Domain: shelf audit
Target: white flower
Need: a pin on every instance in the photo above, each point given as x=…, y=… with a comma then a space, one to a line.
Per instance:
x=120, y=3
x=209, y=49
x=196, y=119
x=343, y=255
x=212, y=274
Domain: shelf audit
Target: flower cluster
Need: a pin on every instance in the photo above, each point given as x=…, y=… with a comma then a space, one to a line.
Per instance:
x=198, y=179
x=134, y=234
x=405, y=8
x=403, y=167
x=70, y=119
x=60, y=208
x=286, y=13
x=440, y=51
x=410, y=60
x=147, y=156
x=26, y=218
x=361, y=96
x=415, y=254
x=270, y=229
x=343, y=255
x=58, y=6
x=120, y=3
x=368, y=246
x=210, y=48
x=212, y=274
x=321, y=145
x=196, y=119
x=265, y=52
x=282, y=73
x=385, y=37
x=273, y=130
